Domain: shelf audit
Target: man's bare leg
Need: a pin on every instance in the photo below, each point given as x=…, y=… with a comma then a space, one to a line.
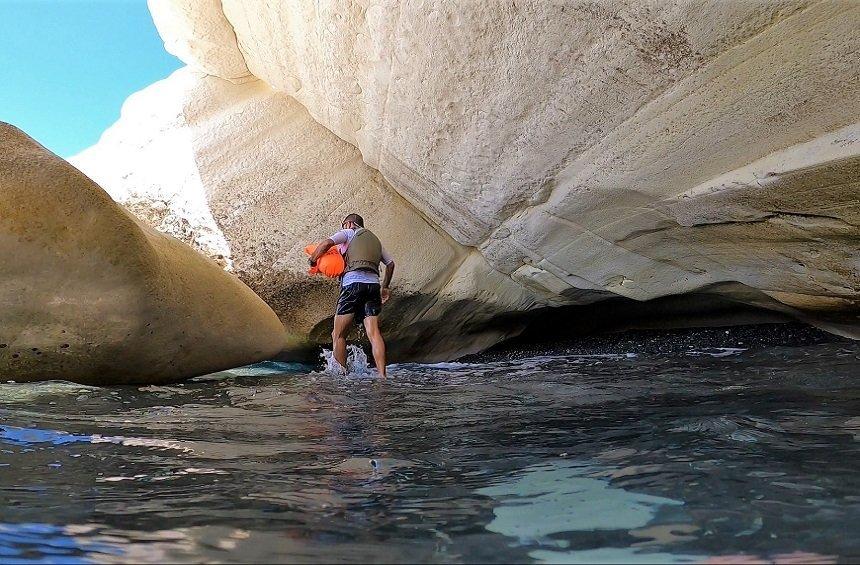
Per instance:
x=338, y=337
x=371, y=325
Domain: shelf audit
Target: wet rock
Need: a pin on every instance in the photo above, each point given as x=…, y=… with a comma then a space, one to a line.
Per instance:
x=657, y=342
x=93, y=295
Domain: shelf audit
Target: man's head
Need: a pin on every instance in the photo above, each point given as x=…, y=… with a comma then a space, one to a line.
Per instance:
x=352, y=221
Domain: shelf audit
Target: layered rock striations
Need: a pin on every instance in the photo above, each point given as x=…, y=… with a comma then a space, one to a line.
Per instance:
x=537, y=153
x=244, y=174
x=92, y=295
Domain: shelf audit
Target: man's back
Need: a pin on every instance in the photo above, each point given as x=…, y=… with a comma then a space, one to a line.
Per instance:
x=342, y=239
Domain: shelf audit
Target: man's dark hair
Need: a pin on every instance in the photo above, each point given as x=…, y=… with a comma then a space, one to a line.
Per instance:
x=354, y=218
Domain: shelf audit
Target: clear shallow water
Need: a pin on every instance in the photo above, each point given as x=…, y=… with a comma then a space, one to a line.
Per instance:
x=715, y=456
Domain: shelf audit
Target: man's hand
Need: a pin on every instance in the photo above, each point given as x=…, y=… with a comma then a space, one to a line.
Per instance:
x=386, y=294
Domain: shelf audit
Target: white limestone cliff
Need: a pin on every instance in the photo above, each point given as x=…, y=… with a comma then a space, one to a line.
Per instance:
x=562, y=152
x=204, y=159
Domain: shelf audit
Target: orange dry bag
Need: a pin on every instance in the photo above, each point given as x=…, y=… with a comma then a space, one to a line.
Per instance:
x=331, y=264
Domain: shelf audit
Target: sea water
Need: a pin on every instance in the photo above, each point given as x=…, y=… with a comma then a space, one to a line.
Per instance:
x=711, y=456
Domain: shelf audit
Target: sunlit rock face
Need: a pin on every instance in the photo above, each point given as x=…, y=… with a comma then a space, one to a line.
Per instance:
x=245, y=175
x=560, y=152
x=90, y=294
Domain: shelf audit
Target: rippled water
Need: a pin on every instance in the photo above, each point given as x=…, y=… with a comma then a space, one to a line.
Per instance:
x=715, y=455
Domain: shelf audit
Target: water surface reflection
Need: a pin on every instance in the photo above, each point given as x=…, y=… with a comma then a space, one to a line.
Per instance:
x=713, y=455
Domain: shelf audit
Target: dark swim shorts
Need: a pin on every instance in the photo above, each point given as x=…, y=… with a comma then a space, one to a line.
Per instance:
x=360, y=299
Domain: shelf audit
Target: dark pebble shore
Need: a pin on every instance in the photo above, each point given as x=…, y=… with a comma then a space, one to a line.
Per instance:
x=663, y=341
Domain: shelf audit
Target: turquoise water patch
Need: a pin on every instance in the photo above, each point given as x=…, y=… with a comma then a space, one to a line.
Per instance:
x=610, y=555
x=28, y=436
x=556, y=497
x=264, y=369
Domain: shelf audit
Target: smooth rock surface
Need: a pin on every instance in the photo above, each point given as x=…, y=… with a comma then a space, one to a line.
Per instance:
x=566, y=151
x=90, y=294
x=244, y=174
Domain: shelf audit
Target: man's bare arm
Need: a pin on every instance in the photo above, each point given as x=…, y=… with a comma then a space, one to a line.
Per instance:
x=320, y=250
x=389, y=272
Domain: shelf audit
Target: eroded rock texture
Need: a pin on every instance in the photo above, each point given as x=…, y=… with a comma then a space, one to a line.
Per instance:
x=205, y=160
x=537, y=153
x=90, y=294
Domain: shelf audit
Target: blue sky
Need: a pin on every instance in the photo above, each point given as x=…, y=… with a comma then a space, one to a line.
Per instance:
x=68, y=65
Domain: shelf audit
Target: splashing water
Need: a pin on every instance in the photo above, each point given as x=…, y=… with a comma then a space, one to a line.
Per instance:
x=356, y=363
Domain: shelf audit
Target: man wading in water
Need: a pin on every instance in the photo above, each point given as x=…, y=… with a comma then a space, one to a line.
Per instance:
x=361, y=298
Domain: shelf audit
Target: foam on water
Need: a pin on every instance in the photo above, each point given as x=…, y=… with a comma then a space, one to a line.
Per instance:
x=267, y=368
x=718, y=351
x=12, y=392
x=356, y=363
x=263, y=369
